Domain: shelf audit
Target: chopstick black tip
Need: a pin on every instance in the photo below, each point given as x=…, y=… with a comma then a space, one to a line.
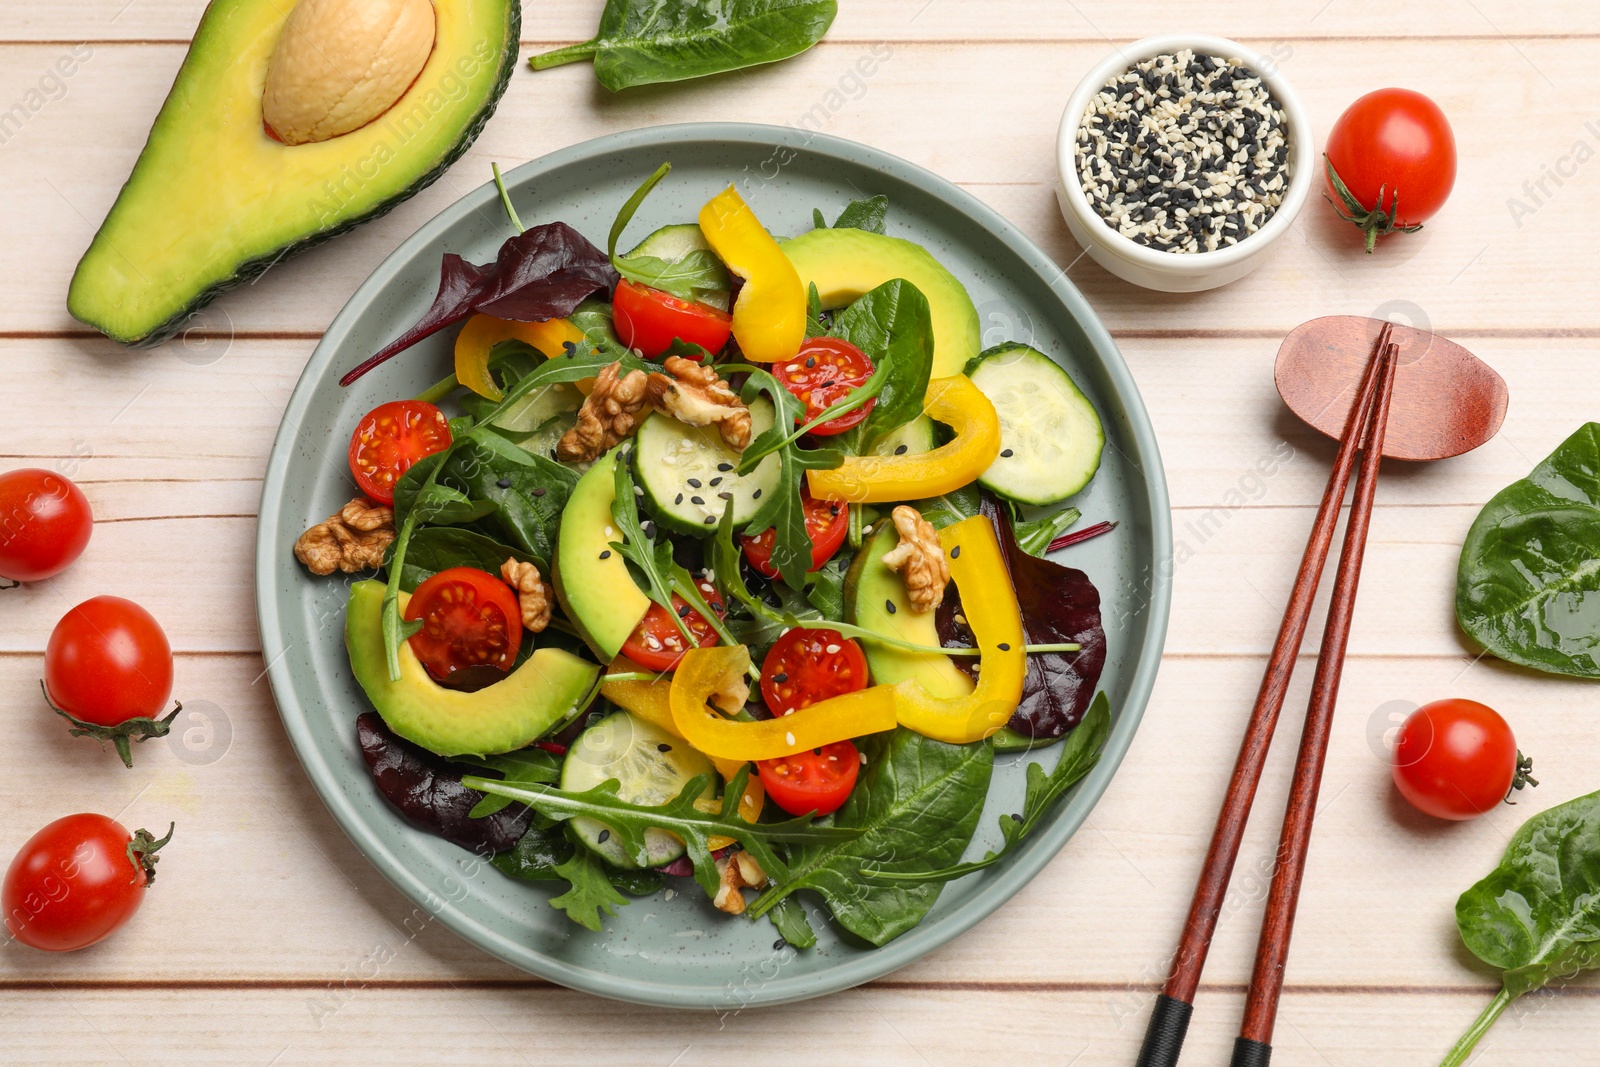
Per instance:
x=1163, y=1040
x=1248, y=1053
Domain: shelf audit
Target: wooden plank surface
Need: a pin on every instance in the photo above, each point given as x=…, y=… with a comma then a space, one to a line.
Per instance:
x=256, y=946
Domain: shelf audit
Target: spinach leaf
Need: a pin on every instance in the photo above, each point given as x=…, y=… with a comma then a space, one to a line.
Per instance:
x=947, y=510
x=914, y=810
x=893, y=325
x=536, y=855
x=680, y=816
x=814, y=324
x=438, y=548
x=790, y=919
x=1034, y=535
x=826, y=591
x=589, y=892
x=1536, y=917
x=641, y=42
x=1078, y=756
x=1528, y=586
x=865, y=214
x=528, y=491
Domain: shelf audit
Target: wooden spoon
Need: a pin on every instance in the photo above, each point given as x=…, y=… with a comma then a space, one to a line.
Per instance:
x=1446, y=400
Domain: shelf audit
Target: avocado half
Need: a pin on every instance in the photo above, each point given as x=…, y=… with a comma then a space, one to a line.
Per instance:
x=213, y=201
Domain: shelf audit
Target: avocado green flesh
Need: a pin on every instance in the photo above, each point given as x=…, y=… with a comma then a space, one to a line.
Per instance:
x=213, y=200
x=549, y=688
x=598, y=595
x=870, y=586
x=844, y=264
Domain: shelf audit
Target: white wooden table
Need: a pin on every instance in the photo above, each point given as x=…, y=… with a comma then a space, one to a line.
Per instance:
x=270, y=940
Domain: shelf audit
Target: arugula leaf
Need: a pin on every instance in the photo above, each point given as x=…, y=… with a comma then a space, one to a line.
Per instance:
x=894, y=326
x=1034, y=535
x=699, y=275
x=1079, y=753
x=865, y=214
x=527, y=766
x=641, y=42
x=814, y=323
x=653, y=560
x=1535, y=918
x=680, y=816
x=1528, y=581
x=817, y=220
x=590, y=891
x=826, y=591
x=914, y=810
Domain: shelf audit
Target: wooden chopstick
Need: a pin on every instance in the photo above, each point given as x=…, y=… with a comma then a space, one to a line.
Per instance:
x=1254, y=1046
x=1169, y=1022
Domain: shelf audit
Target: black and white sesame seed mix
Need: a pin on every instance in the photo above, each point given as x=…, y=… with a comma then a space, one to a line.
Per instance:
x=1184, y=153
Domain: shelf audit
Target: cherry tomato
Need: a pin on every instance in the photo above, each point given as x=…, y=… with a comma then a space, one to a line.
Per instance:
x=811, y=783
x=108, y=661
x=805, y=666
x=76, y=881
x=389, y=439
x=470, y=618
x=648, y=319
x=44, y=524
x=656, y=644
x=821, y=374
x=1396, y=155
x=1456, y=759
x=826, y=525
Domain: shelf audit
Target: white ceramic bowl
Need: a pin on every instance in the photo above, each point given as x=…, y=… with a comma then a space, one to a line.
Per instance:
x=1180, y=272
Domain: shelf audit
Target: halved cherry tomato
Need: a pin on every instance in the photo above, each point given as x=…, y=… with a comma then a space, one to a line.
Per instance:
x=1456, y=759
x=656, y=644
x=76, y=881
x=648, y=319
x=389, y=439
x=821, y=374
x=470, y=619
x=807, y=666
x=826, y=525
x=811, y=783
x=45, y=523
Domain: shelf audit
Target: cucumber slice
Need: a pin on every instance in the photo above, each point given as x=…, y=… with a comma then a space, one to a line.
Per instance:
x=650, y=766
x=543, y=441
x=671, y=457
x=538, y=407
x=672, y=243
x=1050, y=436
x=916, y=436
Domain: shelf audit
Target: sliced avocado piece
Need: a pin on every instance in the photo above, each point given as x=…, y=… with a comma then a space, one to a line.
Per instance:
x=844, y=264
x=549, y=688
x=214, y=201
x=870, y=588
x=592, y=581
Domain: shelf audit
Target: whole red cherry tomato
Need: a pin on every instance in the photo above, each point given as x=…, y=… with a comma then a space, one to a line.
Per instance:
x=76, y=881
x=1456, y=759
x=389, y=439
x=649, y=319
x=45, y=523
x=108, y=665
x=1390, y=162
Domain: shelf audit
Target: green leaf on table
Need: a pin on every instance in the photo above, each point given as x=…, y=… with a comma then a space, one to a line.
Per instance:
x=1528, y=585
x=641, y=42
x=590, y=892
x=894, y=326
x=914, y=810
x=1079, y=753
x=1536, y=917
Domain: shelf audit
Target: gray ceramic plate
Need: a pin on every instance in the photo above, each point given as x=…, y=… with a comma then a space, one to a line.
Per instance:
x=680, y=952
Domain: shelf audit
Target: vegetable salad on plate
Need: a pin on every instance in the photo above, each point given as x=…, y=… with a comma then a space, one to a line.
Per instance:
x=723, y=559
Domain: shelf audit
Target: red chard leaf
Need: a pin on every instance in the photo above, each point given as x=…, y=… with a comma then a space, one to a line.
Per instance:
x=427, y=790
x=542, y=273
x=1059, y=605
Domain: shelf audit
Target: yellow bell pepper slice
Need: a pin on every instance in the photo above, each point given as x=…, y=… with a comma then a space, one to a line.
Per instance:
x=954, y=401
x=651, y=702
x=482, y=332
x=769, y=318
x=704, y=671
x=989, y=602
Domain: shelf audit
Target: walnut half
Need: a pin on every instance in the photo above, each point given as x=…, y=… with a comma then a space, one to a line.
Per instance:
x=735, y=871
x=695, y=396
x=919, y=558
x=532, y=594
x=353, y=540
x=609, y=414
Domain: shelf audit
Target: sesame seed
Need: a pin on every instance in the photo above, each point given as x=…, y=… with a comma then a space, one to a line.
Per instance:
x=724, y=495
x=683, y=611
x=504, y=483
x=638, y=490
x=901, y=450
x=539, y=490
x=1006, y=453
x=1005, y=646
x=717, y=480
x=610, y=532
x=663, y=747
x=831, y=650
x=724, y=467
x=811, y=361
x=605, y=554
x=694, y=483
x=955, y=552
x=756, y=495
x=711, y=520
x=605, y=835
x=678, y=499
x=696, y=500
x=781, y=677
x=888, y=606
x=788, y=739
x=779, y=945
